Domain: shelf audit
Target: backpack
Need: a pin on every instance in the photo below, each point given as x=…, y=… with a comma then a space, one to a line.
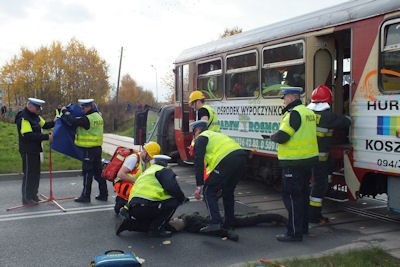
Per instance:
x=111, y=169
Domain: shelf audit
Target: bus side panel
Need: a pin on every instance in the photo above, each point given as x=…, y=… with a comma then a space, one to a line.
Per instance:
x=376, y=148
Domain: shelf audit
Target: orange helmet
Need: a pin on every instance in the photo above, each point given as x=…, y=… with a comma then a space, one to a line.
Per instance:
x=152, y=149
x=321, y=94
x=196, y=95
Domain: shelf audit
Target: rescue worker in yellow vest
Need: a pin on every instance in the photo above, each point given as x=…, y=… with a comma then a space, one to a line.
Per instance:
x=297, y=154
x=30, y=125
x=204, y=112
x=224, y=162
x=153, y=199
x=132, y=168
x=89, y=136
x=327, y=121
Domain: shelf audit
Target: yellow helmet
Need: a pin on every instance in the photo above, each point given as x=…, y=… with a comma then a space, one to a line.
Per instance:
x=196, y=95
x=152, y=149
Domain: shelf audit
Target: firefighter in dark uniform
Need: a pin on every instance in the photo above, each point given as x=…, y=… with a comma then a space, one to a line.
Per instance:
x=297, y=154
x=89, y=136
x=30, y=125
x=153, y=199
x=219, y=165
x=327, y=121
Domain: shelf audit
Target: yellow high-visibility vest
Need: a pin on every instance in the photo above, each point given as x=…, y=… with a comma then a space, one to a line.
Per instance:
x=212, y=120
x=303, y=142
x=219, y=146
x=94, y=135
x=147, y=186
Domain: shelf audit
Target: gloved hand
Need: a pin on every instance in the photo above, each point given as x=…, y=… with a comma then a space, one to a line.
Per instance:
x=124, y=213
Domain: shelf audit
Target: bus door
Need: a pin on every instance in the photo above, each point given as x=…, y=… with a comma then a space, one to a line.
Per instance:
x=182, y=110
x=320, y=60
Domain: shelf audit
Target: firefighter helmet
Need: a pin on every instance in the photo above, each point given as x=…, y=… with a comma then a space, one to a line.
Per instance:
x=321, y=94
x=152, y=149
x=196, y=95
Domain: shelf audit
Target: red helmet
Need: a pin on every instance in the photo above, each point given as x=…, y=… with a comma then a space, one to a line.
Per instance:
x=321, y=94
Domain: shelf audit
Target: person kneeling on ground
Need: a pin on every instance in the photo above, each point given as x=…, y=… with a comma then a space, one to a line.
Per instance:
x=133, y=166
x=153, y=200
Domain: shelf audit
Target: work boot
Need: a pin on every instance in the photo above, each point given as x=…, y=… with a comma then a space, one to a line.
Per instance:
x=121, y=226
x=288, y=238
x=102, y=197
x=36, y=198
x=230, y=234
x=159, y=233
x=82, y=200
x=29, y=202
x=321, y=220
x=211, y=228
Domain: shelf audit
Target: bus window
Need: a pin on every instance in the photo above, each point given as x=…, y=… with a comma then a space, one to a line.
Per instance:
x=241, y=77
x=283, y=65
x=209, y=79
x=390, y=57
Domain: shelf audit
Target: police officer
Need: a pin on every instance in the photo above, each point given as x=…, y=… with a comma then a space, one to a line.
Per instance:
x=89, y=136
x=204, y=112
x=30, y=125
x=132, y=168
x=219, y=164
x=153, y=200
x=327, y=121
x=297, y=153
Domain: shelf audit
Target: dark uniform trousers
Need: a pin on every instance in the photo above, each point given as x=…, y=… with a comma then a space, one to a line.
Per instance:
x=92, y=167
x=31, y=177
x=146, y=215
x=222, y=183
x=296, y=189
x=321, y=172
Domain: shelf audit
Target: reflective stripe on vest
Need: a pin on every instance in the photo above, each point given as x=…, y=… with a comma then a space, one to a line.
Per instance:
x=212, y=120
x=148, y=187
x=94, y=135
x=302, y=143
x=219, y=145
x=26, y=126
x=323, y=132
x=315, y=202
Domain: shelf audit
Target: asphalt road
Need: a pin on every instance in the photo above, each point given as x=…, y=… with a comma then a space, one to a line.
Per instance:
x=43, y=235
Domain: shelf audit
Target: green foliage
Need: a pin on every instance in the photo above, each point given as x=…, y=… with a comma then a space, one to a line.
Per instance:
x=10, y=159
x=127, y=127
x=373, y=257
x=58, y=74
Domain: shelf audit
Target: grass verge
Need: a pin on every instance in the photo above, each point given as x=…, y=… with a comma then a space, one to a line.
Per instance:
x=373, y=257
x=10, y=159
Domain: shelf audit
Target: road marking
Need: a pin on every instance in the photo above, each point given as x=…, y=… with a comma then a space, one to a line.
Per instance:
x=56, y=212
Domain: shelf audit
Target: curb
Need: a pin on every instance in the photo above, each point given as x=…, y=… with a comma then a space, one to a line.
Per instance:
x=46, y=174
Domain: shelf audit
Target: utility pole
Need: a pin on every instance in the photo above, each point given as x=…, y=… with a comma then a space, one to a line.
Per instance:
x=119, y=73
x=155, y=70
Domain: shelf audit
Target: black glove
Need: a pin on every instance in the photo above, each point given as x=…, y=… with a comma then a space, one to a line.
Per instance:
x=124, y=213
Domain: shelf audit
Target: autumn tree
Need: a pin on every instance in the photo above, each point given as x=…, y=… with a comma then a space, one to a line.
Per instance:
x=59, y=74
x=131, y=92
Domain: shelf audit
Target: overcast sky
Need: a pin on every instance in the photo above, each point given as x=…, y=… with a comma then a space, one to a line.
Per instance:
x=152, y=32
